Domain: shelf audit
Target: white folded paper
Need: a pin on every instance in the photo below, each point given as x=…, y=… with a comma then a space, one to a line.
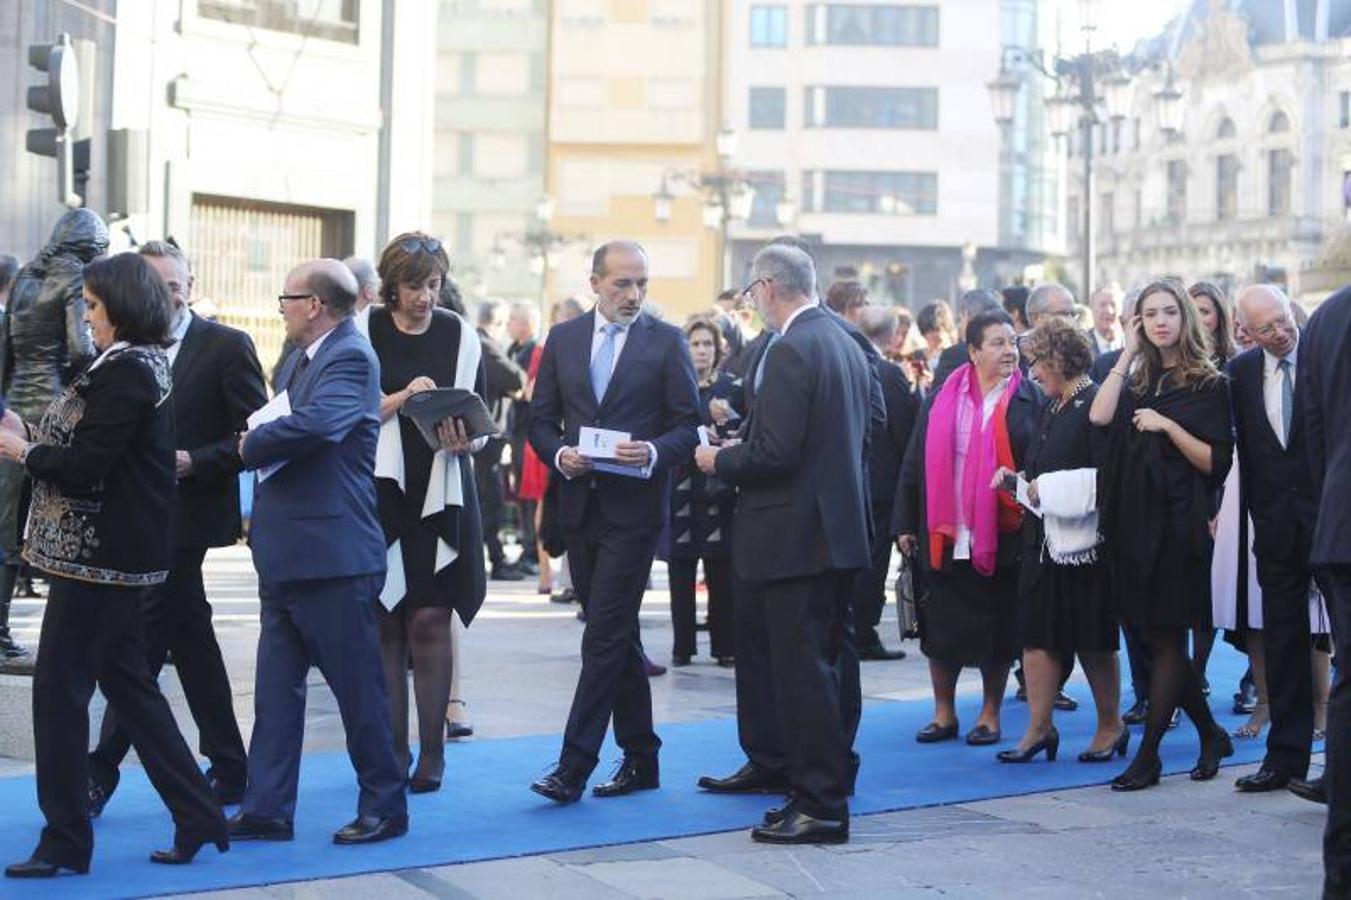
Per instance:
x=274, y=409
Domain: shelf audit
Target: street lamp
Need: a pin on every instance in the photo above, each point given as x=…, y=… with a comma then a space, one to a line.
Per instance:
x=539, y=240
x=1168, y=106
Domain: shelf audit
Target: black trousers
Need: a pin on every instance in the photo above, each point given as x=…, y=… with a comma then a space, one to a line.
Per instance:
x=797, y=706
x=91, y=634
x=488, y=482
x=1287, y=645
x=610, y=566
x=870, y=586
x=176, y=619
x=529, y=539
x=721, y=627
x=1335, y=582
x=1137, y=654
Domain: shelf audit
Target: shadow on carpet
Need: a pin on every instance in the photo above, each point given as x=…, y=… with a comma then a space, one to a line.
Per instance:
x=485, y=810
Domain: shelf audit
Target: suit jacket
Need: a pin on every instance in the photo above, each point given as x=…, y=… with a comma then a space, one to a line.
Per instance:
x=1275, y=479
x=888, y=451
x=218, y=383
x=1102, y=365
x=652, y=394
x=948, y=362
x=316, y=516
x=803, y=505
x=1324, y=384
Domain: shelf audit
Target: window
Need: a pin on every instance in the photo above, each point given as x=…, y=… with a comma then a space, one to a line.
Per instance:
x=769, y=25
x=1279, y=124
x=767, y=107
x=769, y=190
x=1280, y=163
x=859, y=25
x=333, y=20
x=468, y=73
x=1226, y=187
x=1177, y=191
x=887, y=193
x=466, y=154
x=871, y=107
x=1226, y=131
x=1344, y=109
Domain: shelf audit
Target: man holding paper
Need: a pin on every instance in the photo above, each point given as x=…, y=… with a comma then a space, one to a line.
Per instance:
x=615, y=406
x=320, y=555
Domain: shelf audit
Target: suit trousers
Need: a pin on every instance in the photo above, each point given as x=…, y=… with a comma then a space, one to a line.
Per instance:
x=718, y=580
x=803, y=622
x=329, y=623
x=1335, y=582
x=1287, y=645
x=91, y=634
x=177, y=619
x=488, y=482
x=610, y=566
x=870, y=587
x=1137, y=654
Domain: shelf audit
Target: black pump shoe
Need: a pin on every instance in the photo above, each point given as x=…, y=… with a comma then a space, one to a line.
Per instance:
x=1050, y=742
x=1208, y=765
x=1118, y=748
x=1146, y=779
x=182, y=854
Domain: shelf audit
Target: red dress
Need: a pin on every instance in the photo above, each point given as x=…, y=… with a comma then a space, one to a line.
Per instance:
x=534, y=473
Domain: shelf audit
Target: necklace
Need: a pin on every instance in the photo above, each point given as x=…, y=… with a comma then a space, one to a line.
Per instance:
x=1079, y=387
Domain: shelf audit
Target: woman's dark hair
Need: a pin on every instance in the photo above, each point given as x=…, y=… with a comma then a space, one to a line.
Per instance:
x=1222, y=341
x=450, y=298
x=703, y=323
x=410, y=258
x=975, y=328
x=1015, y=302
x=134, y=296
x=935, y=316
x=846, y=295
x=1060, y=344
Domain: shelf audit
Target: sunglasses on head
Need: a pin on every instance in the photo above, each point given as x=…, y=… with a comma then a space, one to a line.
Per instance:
x=413, y=245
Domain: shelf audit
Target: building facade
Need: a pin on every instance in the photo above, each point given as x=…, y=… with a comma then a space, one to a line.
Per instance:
x=634, y=104
x=1255, y=186
x=490, y=146
x=870, y=123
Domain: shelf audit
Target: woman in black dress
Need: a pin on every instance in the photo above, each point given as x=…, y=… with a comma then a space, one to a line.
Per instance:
x=1066, y=603
x=701, y=511
x=102, y=466
x=1170, y=446
x=428, y=504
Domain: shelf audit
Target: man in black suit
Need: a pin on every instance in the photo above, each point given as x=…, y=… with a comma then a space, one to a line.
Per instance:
x=523, y=329
x=1273, y=466
x=969, y=305
x=800, y=535
x=619, y=369
x=885, y=453
x=218, y=383
x=1324, y=384
x=504, y=380
x=1105, y=335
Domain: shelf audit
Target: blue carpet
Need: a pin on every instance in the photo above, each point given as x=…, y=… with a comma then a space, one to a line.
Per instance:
x=485, y=811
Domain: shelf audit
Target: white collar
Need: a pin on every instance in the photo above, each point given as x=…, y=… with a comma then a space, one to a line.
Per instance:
x=181, y=328
x=601, y=322
x=120, y=345
x=795, y=313
x=313, y=348
x=1270, y=361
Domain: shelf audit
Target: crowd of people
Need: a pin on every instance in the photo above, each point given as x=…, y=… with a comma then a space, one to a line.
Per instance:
x=1056, y=478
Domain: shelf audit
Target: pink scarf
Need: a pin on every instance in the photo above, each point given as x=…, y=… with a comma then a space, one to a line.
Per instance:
x=985, y=512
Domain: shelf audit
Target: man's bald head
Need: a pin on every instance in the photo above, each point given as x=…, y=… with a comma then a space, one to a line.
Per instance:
x=1268, y=318
x=329, y=280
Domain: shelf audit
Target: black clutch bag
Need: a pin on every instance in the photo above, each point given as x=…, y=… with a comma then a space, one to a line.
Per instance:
x=427, y=409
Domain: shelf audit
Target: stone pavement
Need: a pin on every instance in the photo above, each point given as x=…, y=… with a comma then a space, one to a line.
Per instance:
x=1181, y=839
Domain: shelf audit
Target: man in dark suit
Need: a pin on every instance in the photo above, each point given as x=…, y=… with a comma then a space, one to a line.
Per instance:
x=504, y=379
x=969, y=305
x=886, y=451
x=523, y=329
x=320, y=555
x=218, y=383
x=800, y=536
x=614, y=368
x=1273, y=466
x=1324, y=384
x=1105, y=335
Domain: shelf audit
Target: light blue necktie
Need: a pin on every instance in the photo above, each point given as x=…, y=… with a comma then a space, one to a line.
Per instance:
x=1287, y=399
x=603, y=363
x=764, y=357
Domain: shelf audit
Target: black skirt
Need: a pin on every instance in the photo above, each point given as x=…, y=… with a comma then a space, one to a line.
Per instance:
x=1069, y=610
x=969, y=619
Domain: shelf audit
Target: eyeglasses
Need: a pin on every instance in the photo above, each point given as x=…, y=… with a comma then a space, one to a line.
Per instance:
x=283, y=298
x=1270, y=329
x=746, y=291
x=413, y=245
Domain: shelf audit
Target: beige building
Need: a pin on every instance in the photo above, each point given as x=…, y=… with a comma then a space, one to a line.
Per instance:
x=634, y=101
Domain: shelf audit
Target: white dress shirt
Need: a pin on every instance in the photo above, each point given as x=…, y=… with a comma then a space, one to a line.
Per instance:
x=313, y=348
x=961, y=544
x=792, y=317
x=1271, y=389
x=180, y=331
x=1106, y=345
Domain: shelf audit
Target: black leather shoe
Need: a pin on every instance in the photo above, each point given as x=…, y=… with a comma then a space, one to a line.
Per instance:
x=1118, y=748
x=506, y=572
x=1315, y=790
x=1208, y=764
x=1137, y=714
x=879, y=653
x=1064, y=702
x=1050, y=742
x=749, y=779
x=1261, y=781
x=420, y=785
x=934, y=733
x=727, y=662
x=1138, y=781
x=243, y=827
x=98, y=796
x=776, y=814
x=799, y=828
x=982, y=736
x=562, y=785
x=182, y=853
x=635, y=773
x=38, y=868
x=371, y=829
x=227, y=793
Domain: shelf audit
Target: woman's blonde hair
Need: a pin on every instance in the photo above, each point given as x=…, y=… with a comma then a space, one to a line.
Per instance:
x=1195, y=365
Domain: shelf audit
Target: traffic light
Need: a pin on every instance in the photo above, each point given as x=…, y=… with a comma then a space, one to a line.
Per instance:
x=57, y=98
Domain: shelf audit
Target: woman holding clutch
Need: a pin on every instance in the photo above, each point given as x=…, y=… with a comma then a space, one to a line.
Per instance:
x=428, y=504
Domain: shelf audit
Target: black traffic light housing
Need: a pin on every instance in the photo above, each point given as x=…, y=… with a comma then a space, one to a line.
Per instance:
x=58, y=98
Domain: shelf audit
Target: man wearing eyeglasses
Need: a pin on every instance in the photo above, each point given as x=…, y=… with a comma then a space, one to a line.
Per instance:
x=320, y=554
x=620, y=369
x=1275, y=476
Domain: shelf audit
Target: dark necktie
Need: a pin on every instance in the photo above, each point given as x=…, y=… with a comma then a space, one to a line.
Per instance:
x=301, y=365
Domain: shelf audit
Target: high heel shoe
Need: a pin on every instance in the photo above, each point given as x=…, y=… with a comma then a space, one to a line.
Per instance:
x=1050, y=742
x=1118, y=748
x=183, y=853
x=1208, y=765
x=419, y=785
x=458, y=728
x=1138, y=782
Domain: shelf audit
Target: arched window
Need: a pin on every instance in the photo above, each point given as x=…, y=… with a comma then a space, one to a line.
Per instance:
x=1226, y=187
x=1280, y=166
x=1279, y=124
x=1226, y=131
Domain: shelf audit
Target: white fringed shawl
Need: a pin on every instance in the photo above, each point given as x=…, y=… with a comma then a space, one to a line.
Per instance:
x=1069, y=511
x=444, y=487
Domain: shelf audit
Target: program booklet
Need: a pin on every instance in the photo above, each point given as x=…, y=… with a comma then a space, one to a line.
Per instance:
x=427, y=409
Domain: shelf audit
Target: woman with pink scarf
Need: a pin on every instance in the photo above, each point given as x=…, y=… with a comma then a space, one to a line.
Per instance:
x=964, y=533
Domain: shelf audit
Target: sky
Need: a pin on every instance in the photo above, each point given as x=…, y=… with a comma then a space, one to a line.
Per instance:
x=1120, y=22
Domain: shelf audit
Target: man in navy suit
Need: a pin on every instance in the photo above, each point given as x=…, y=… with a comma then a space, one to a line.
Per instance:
x=619, y=369
x=320, y=556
